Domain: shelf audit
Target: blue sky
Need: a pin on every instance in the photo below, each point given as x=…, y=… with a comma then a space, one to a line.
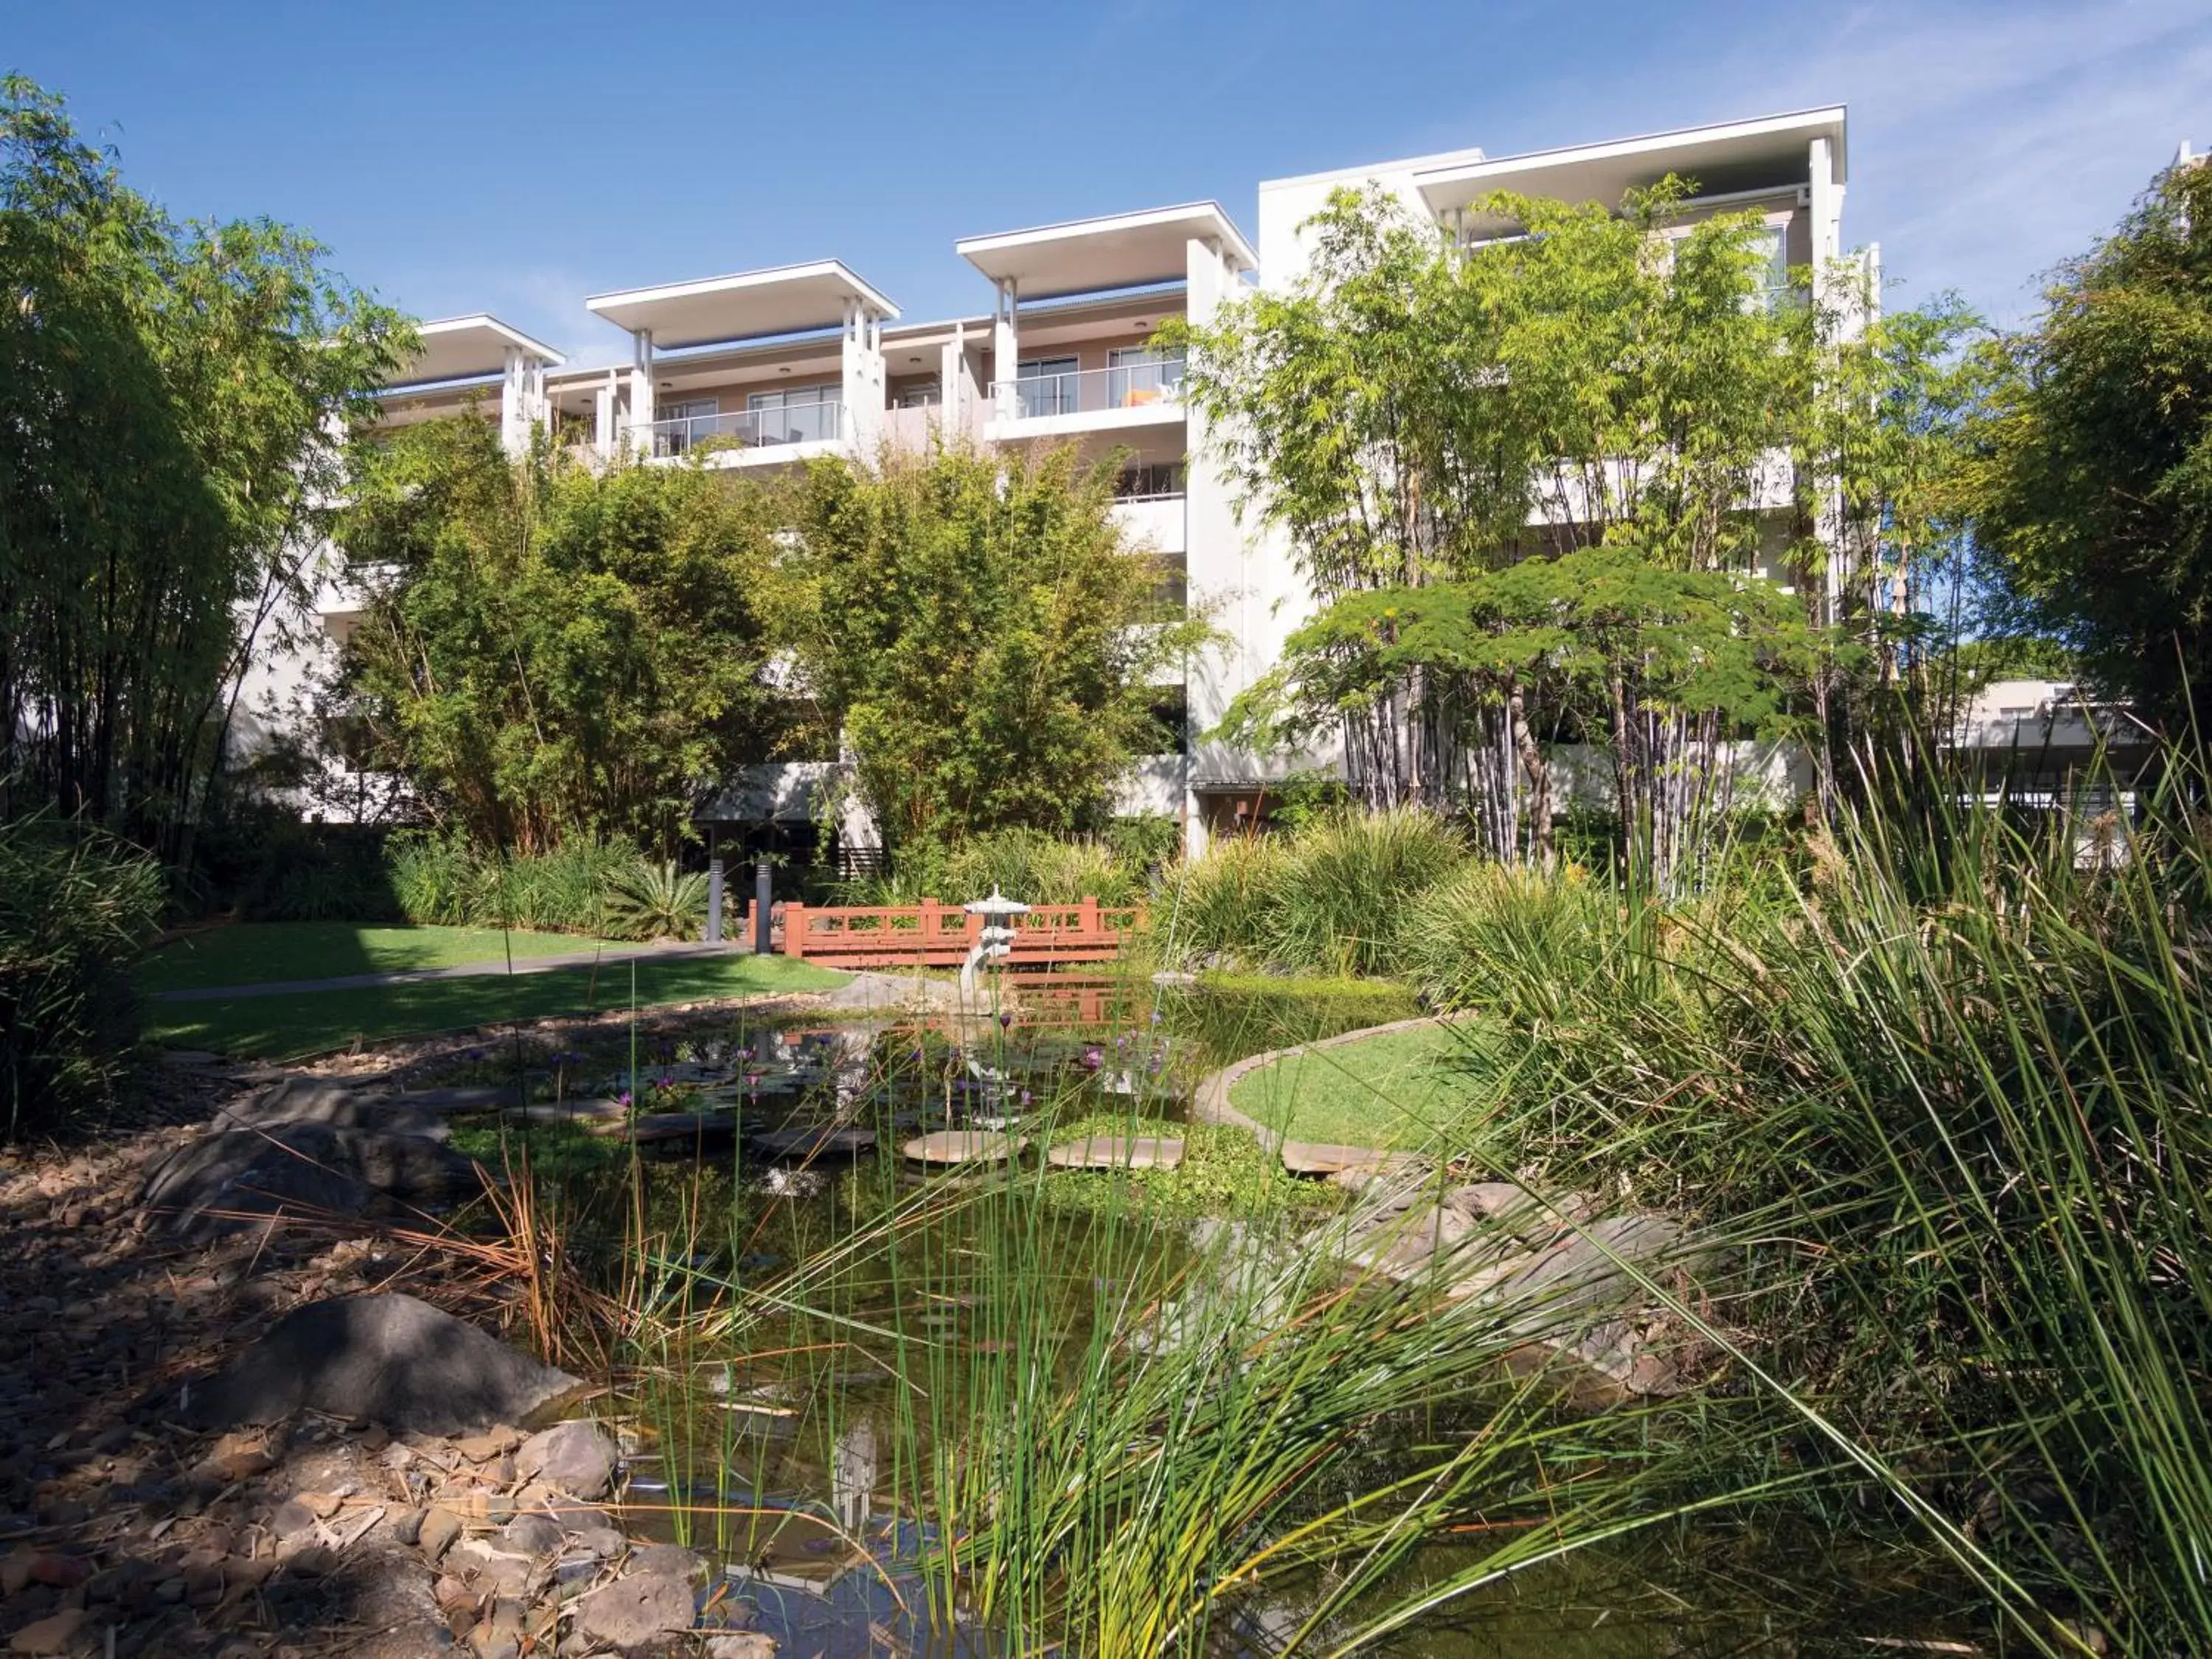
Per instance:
x=513, y=158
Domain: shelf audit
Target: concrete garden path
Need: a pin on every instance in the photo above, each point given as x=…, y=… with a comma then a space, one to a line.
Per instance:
x=664, y=950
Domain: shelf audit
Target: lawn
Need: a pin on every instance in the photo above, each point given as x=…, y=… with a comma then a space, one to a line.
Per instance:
x=294, y=1024
x=1392, y=1090
x=259, y=952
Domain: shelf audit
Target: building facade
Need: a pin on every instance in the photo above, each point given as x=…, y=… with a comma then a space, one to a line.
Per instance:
x=769, y=367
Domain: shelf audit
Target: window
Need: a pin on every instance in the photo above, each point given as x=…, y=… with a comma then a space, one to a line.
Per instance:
x=683, y=423
x=1047, y=386
x=796, y=414
x=1774, y=287
x=1150, y=481
x=923, y=394
x=1138, y=376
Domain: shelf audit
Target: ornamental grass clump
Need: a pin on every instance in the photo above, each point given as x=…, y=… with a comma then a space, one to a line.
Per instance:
x=77, y=907
x=1329, y=898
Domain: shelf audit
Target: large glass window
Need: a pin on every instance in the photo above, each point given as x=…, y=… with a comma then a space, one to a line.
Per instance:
x=1047, y=387
x=796, y=414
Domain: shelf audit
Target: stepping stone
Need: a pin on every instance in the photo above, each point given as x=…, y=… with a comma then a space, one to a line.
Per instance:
x=814, y=1140
x=964, y=1146
x=1322, y=1157
x=1118, y=1152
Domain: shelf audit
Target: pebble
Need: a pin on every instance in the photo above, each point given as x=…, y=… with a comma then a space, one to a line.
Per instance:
x=55, y=1633
x=439, y=1528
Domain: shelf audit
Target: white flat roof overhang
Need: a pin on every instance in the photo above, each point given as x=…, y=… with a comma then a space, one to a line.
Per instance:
x=1090, y=256
x=1724, y=160
x=752, y=305
x=469, y=348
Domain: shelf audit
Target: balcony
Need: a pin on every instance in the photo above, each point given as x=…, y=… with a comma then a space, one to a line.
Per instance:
x=1147, y=393
x=1153, y=521
x=751, y=436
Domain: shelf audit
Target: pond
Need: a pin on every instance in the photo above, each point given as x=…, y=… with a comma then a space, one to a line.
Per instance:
x=980, y=1408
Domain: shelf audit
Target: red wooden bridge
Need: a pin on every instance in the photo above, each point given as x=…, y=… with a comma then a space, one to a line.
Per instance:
x=934, y=935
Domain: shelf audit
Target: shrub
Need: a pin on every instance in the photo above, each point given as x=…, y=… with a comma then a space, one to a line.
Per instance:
x=77, y=909
x=433, y=879
x=442, y=880
x=1039, y=868
x=1520, y=943
x=1330, y=898
x=655, y=901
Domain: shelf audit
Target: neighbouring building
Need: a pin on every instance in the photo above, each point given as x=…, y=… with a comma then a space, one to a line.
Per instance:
x=779, y=365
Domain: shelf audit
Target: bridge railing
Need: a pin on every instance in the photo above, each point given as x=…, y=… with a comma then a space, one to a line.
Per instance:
x=931, y=935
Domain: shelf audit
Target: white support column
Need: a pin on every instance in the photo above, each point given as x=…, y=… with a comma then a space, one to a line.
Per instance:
x=862, y=380
x=954, y=398
x=641, y=391
x=603, y=412
x=1006, y=353
x=514, y=403
x=1217, y=563
x=1826, y=209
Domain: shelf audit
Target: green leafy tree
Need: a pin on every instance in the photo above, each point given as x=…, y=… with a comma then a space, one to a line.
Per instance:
x=1414, y=413
x=2095, y=486
x=983, y=637
x=169, y=395
x=549, y=651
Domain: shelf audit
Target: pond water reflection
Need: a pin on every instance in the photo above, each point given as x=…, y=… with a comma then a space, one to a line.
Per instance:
x=909, y=1411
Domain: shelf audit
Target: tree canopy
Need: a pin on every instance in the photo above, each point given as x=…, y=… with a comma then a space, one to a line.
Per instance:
x=2094, y=495
x=549, y=650
x=982, y=634
x=169, y=395
x=1628, y=398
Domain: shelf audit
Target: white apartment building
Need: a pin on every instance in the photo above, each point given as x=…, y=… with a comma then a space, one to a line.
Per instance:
x=779, y=365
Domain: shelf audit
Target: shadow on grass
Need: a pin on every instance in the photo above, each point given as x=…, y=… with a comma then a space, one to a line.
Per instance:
x=290, y=1027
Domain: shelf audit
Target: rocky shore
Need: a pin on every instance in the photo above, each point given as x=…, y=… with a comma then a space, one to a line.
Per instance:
x=223, y=1436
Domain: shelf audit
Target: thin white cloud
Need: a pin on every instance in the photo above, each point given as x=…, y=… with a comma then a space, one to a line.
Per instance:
x=1987, y=144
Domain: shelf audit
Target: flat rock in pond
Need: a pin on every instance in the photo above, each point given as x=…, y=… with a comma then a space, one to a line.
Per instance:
x=1322, y=1157
x=815, y=1141
x=1117, y=1152
x=705, y=1126
x=226, y=1180
x=388, y=1358
x=964, y=1146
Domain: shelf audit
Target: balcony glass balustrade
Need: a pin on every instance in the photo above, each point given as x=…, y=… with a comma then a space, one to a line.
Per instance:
x=1093, y=390
x=749, y=429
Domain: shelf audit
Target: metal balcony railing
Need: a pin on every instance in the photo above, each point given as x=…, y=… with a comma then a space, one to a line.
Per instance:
x=1093, y=391
x=749, y=429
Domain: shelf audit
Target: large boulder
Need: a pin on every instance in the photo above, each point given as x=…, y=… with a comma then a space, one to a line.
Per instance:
x=225, y=1179
x=389, y=1358
x=320, y=1100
